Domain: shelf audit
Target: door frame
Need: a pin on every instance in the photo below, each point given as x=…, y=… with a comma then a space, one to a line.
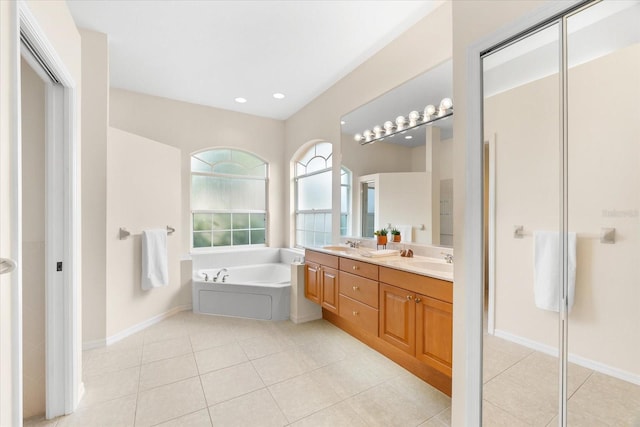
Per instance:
x=474, y=182
x=62, y=299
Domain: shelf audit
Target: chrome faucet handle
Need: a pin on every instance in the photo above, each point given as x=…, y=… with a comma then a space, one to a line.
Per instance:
x=224, y=278
x=206, y=277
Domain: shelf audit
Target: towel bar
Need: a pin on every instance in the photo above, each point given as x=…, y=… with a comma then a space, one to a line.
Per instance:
x=607, y=234
x=124, y=233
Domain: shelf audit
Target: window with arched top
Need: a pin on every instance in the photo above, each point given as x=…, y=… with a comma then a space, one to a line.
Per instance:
x=313, y=201
x=228, y=198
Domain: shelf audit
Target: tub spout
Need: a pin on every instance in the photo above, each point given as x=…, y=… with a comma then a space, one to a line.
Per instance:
x=224, y=270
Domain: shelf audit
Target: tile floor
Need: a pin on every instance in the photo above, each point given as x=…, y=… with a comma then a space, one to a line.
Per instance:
x=520, y=389
x=195, y=370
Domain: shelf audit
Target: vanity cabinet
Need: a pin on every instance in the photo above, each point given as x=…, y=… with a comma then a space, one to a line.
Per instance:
x=416, y=316
x=321, y=280
x=359, y=294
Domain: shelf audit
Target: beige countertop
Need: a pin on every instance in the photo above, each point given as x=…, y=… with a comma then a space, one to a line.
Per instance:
x=425, y=266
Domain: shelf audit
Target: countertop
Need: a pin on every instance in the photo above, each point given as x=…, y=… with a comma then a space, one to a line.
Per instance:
x=425, y=266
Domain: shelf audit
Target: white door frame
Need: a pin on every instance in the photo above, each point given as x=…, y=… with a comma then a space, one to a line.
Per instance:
x=491, y=249
x=62, y=299
x=473, y=218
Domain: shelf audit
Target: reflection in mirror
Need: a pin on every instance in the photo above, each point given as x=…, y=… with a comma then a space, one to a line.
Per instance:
x=408, y=167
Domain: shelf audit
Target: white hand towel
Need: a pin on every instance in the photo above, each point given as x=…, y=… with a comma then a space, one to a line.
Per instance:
x=547, y=275
x=155, y=272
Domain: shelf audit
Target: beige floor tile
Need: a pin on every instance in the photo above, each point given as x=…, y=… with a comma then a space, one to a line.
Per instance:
x=228, y=383
x=526, y=402
x=167, y=371
x=196, y=419
x=435, y=422
x=320, y=354
x=220, y=357
x=339, y=415
x=169, y=401
x=166, y=349
x=398, y=403
x=264, y=345
x=114, y=413
x=39, y=421
x=347, y=377
x=250, y=328
x=109, y=386
x=500, y=355
x=263, y=412
x=494, y=416
x=302, y=396
x=281, y=366
x=209, y=336
x=167, y=329
x=113, y=360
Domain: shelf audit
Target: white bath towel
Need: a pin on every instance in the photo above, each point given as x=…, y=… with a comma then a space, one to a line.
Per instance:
x=547, y=275
x=155, y=271
x=405, y=233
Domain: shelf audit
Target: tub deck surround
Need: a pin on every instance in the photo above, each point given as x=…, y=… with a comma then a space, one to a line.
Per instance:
x=403, y=308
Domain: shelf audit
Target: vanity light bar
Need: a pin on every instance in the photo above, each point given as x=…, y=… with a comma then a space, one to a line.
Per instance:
x=402, y=124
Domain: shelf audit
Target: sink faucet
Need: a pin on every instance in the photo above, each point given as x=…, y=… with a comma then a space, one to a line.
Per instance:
x=448, y=258
x=353, y=244
x=224, y=270
x=206, y=277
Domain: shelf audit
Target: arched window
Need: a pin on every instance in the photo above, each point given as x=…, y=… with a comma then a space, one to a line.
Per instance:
x=228, y=198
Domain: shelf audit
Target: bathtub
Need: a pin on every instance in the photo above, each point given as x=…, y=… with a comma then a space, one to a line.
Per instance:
x=260, y=290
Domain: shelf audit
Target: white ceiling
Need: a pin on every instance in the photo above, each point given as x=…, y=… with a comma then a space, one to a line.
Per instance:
x=210, y=52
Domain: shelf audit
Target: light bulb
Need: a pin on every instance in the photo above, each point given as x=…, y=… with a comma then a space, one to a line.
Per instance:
x=358, y=137
x=377, y=130
x=413, y=118
x=446, y=103
x=429, y=111
x=388, y=127
x=400, y=121
x=367, y=135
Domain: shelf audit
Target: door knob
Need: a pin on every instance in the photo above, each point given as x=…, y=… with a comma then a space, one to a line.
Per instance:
x=409, y=297
x=418, y=300
x=355, y=288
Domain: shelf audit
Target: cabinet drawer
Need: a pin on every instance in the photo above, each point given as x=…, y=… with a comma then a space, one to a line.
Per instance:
x=321, y=258
x=360, y=314
x=434, y=288
x=360, y=268
x=359, y=288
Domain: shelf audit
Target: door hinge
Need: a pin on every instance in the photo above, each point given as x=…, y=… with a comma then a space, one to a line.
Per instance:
x=59, y=266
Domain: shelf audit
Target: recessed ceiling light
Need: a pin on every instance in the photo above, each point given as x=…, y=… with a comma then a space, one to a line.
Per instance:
x=408, y=137
x=241, y=100
x=278, y=95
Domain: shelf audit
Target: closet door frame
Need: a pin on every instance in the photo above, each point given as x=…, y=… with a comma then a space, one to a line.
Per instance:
x=474, y=182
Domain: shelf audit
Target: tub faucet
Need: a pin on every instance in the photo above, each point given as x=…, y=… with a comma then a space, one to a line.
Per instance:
x=224, y=278
x=448, y=258
x=224, y=270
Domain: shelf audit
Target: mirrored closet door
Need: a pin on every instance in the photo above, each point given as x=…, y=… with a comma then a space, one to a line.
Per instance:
x=561, y=118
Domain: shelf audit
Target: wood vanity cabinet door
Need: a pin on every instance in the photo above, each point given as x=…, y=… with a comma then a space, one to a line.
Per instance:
x=434, y=327
x=398, y=317
x=312, y=282
x=330, y=289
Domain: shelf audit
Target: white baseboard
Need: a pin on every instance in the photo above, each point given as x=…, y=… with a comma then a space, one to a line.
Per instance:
x=573, y=358
x=307, y=318
x=89, y=345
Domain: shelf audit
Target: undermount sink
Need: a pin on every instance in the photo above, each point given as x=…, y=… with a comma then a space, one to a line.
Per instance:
x=433, y=266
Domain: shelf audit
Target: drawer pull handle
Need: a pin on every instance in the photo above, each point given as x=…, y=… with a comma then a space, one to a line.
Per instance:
x=418, y=300
x=409, y=297
x=355, y=313
x=355, y=288
x=355, y=267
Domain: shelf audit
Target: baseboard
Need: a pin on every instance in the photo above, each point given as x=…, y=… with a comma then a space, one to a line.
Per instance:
x=573, y=358
x=89, y=345
x=307, y=318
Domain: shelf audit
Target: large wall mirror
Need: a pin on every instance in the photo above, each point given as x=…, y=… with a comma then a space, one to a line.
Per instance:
x=404, y=180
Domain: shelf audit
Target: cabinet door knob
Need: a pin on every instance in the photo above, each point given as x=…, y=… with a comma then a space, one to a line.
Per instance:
x=409, y=297
x=355, y=267
x=355, y=313
x=355, y=288
x=418, y=300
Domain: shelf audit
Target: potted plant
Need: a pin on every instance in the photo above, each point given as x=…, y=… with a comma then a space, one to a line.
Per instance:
x=382, y=236
x=396, y=234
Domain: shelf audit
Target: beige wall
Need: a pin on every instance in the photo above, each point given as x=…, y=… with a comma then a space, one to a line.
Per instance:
x=33, y=236
x=95, y=119
x=604, y=171
x=472, y=21
x=143, y=185
x=192, y=128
